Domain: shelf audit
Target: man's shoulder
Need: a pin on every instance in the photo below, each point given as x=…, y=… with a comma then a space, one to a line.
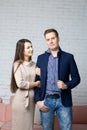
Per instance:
x=43, y=54
x=66, y=53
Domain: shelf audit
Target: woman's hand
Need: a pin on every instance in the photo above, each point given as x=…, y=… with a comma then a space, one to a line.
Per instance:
x=34, y=84
x=37, y=71
x=38, y=84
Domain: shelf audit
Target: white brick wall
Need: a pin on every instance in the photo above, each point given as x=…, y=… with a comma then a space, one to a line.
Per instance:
x=28, y=19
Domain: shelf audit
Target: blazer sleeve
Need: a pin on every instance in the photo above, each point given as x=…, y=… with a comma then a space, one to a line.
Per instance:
x=75, y=77
x=37, y=93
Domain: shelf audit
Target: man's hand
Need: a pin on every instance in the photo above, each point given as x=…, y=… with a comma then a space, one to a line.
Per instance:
x=61, y=84
x=42, y=107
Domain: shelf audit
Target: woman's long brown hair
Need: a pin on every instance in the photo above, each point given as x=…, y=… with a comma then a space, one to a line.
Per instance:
x=19, y=57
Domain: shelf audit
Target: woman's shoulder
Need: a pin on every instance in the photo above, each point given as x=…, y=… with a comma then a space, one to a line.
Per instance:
x=33, y=63
x=16, y=65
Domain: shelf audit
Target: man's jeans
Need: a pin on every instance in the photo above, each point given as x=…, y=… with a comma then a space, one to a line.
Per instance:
x=64, y=115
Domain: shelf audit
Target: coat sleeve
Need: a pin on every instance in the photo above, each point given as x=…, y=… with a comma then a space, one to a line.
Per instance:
x=19, y=78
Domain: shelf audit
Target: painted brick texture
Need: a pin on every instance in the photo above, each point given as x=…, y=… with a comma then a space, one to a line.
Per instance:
x=28, y=19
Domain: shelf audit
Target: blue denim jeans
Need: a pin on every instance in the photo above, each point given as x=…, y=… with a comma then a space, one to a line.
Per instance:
x=64, y=115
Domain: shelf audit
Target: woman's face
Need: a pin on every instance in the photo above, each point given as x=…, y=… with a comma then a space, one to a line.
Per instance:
x=28, y=50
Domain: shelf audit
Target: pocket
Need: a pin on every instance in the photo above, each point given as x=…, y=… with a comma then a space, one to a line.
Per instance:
x=46, y=102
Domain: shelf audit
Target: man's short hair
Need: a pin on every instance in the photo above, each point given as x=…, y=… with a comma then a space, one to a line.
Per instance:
x=51, y=30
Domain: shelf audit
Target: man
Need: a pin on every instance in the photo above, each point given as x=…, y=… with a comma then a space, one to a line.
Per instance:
x=58, y=75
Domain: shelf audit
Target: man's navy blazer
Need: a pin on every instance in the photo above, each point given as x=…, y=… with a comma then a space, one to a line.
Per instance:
x=67, y=72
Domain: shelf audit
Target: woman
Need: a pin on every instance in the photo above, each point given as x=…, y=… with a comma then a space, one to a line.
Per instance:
x=23, y=83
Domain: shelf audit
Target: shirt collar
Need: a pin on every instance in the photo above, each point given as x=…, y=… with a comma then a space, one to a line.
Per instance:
x=48, y=50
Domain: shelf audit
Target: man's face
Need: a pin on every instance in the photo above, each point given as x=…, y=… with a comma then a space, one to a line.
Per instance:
x=52, y=41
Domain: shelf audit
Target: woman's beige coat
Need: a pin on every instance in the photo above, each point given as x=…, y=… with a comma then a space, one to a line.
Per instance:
x=23, y=103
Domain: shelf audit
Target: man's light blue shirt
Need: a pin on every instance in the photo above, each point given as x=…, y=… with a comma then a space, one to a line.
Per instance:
x=52, y=75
